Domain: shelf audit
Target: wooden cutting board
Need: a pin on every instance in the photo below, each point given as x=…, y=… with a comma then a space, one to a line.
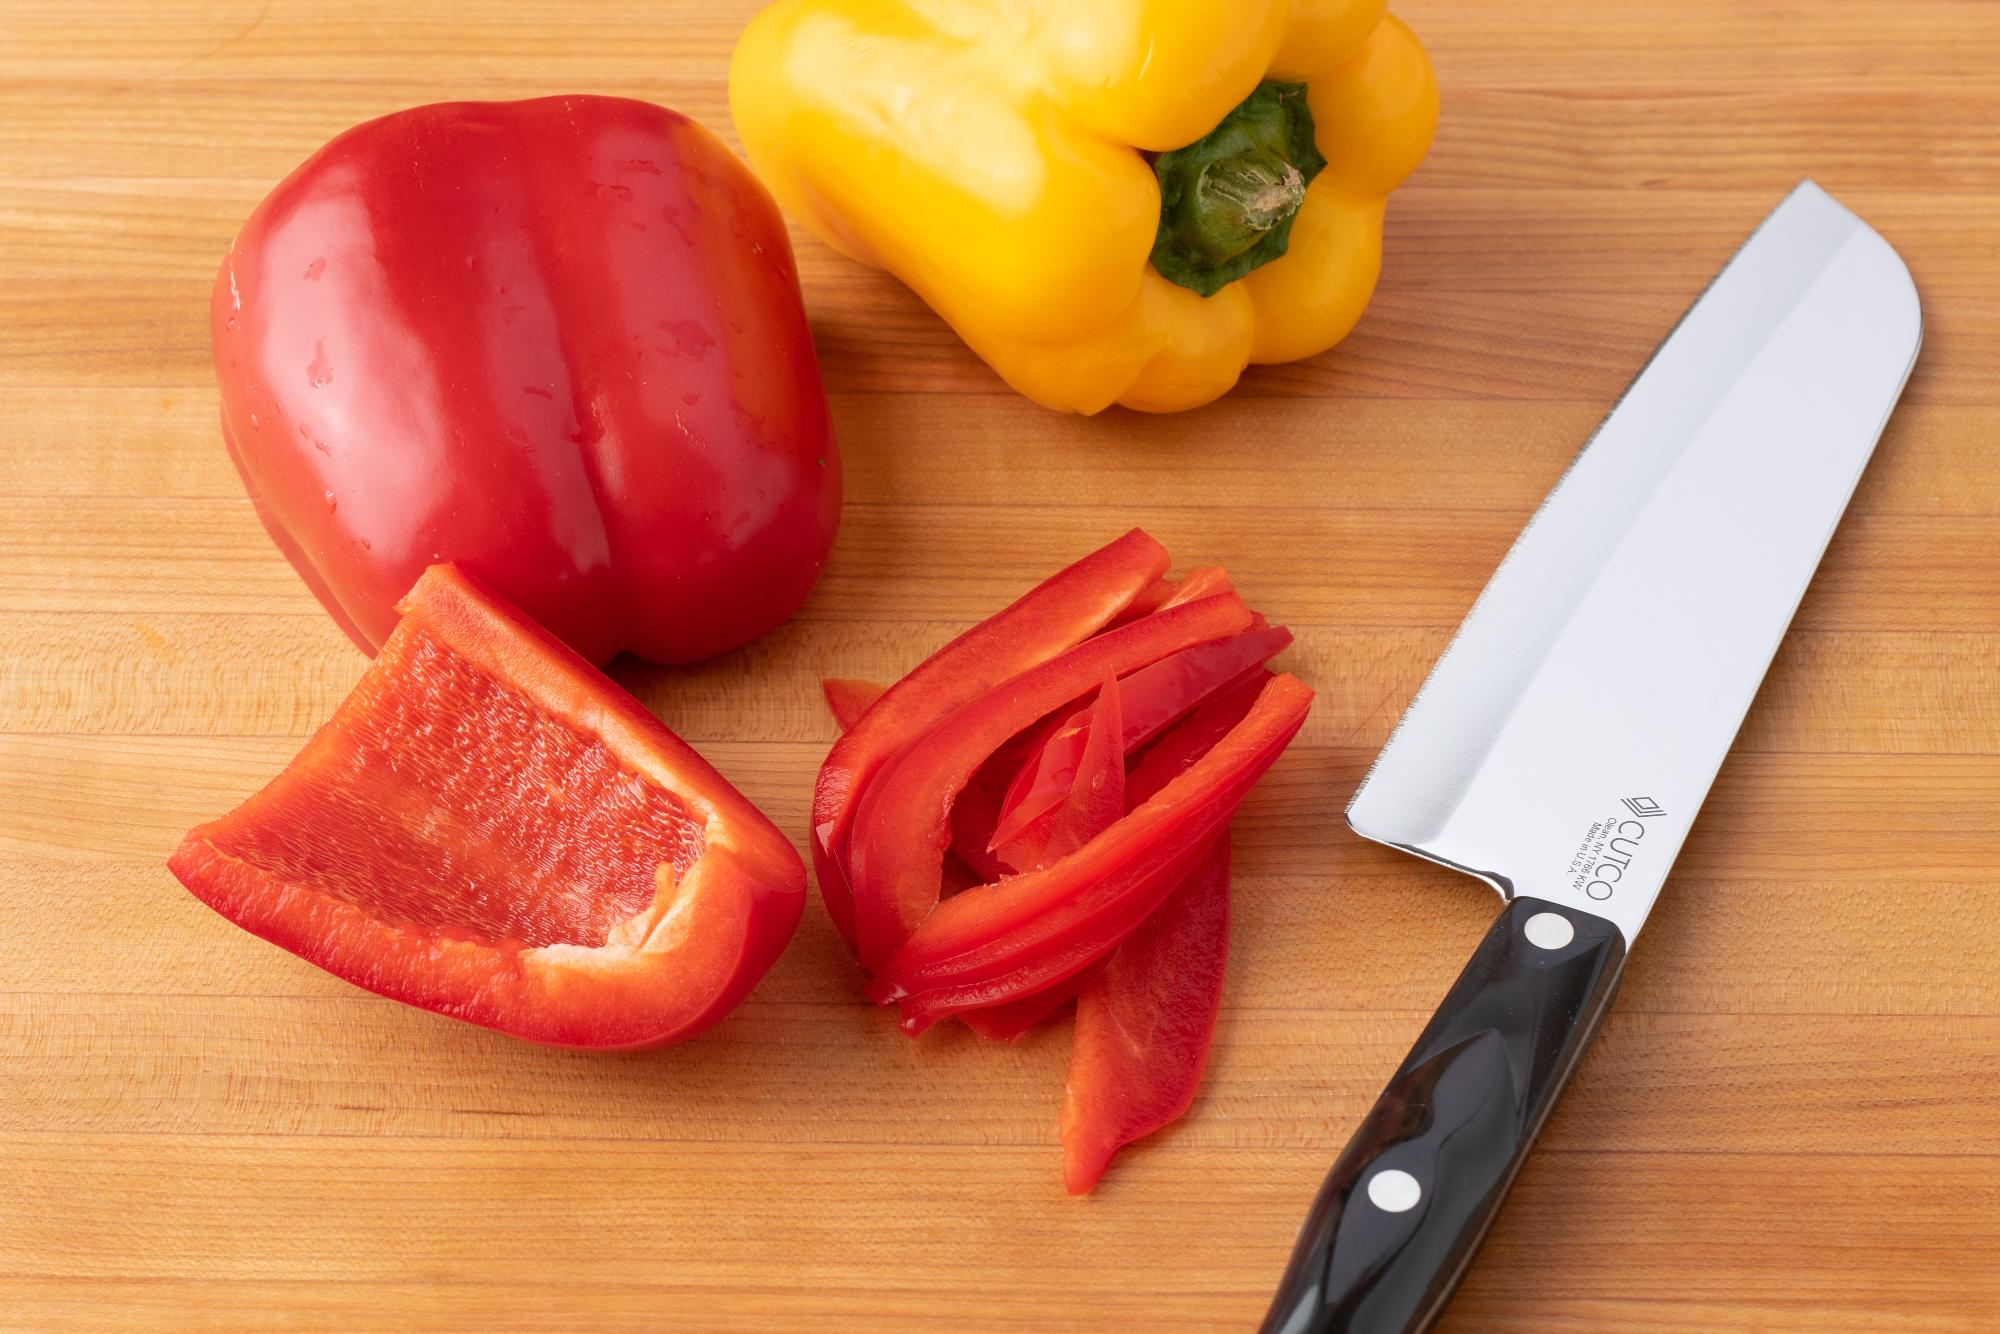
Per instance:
x=1792, y=1121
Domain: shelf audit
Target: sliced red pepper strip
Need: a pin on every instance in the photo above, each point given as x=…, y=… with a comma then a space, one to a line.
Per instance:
x=902, y=825
x=1153, y=697
x=848, y=699
x=978, y=807
x=1203, y=581
x=1143, y=1026
x=490, y=829
x=1168, y=975
x=1010, y=1021
x=1170, y=756
x=1050, y=618
x=1095, y=797
x=994, y=943
x=1096, y=802
x=1146, y=603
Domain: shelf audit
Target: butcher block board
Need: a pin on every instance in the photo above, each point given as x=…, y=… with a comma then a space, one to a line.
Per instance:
x=1791, y=1121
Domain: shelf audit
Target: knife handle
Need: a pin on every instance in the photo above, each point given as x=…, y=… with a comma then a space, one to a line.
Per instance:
x=1410, y=1198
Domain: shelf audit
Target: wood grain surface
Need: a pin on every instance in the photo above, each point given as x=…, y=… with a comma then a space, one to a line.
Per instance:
x=1791, y=1122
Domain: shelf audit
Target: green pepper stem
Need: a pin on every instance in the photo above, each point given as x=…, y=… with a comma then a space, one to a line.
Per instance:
x=1255, y=194
x=1227, y=200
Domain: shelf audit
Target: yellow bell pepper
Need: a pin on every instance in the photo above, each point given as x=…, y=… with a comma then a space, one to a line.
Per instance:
x=1110, y=200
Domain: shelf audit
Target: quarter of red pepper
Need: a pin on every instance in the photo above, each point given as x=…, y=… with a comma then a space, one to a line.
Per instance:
x=490, y=829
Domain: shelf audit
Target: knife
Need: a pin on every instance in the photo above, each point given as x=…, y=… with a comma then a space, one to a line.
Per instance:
x=1566, y=738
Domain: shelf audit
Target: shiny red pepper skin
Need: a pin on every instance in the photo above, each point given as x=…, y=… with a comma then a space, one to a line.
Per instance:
x=558, y=342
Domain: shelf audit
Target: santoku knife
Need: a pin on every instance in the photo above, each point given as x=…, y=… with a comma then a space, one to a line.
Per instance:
x=1565, y=740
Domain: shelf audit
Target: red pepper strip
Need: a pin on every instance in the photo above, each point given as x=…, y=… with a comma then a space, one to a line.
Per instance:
x=972, y=817
x=1096, y=802
x=902, y=824
x=1146, y=603
x=1095, y=799
x=1152, y=698
x=1143, y=1027
x=1167, y=972
x=1204, y=581
x=1173, y=754
x=490, y=829
x=847, y=699
x=1050, y=618
x=994, y=943
x=1011, y=1021
x=978, y=807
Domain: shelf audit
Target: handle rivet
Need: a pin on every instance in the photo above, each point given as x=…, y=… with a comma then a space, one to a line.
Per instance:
x=1394, y=1191
x=1548, y=930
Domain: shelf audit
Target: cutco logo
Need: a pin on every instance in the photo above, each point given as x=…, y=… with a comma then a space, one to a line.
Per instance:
x=1609, y=848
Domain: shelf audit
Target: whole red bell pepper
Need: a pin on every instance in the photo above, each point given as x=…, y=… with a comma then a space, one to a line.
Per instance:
x=490, y=829
x=558, y=342
x=1047, y=620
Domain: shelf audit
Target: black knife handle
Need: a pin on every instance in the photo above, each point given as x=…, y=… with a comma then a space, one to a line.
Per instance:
x=1410, y=1198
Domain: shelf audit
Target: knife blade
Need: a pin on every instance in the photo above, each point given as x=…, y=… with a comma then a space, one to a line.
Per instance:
x=1566, y=738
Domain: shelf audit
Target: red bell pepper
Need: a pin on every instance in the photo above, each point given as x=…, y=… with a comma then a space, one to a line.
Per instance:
x=1201, y=582
x=903, y=825
x=1011, y=1020
x=995, y=943
x=977, y=809
x=1173, y=754
x=1093, y=789
x=490, y=829
x=971, y=862
x=1095, y=802
x=558, y=342
x=1143, y=1025
x=1046, y=621
x=1204, y=581
x=1144, y=1020
x=1152, y=698
x=847, y=700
